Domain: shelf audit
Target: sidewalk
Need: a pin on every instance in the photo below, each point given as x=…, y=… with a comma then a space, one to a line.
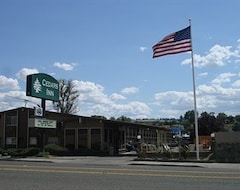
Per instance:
x=190, y=164
x=123, y=160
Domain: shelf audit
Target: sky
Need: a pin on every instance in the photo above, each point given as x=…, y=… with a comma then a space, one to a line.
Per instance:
x=105, y=48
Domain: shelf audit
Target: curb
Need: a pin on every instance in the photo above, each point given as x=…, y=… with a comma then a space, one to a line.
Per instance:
x=172, y=164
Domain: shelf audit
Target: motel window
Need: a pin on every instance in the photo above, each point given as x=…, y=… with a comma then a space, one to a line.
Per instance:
x=96, y=139
x=52, y=140
x=33, y=140
x=70, y=139
x=11, y=120
x=82, y=138
x=11, y=140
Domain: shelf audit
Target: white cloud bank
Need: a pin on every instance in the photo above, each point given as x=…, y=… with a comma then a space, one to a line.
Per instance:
x=26, y=71
x=218, y=94
x=216, y=57
x=94, y=101
x=211, y=98
x=8, y=83
x=129, y=90
x=65, y=66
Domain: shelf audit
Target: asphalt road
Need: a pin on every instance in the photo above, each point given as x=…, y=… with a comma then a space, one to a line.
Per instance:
x=15, y=175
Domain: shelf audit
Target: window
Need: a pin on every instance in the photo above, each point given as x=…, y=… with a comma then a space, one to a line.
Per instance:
x=82, y=138
x=11, y=140
x=52, y=140
x=33, y=140
x=96, y=139
x=70, y=139
x=11, y=120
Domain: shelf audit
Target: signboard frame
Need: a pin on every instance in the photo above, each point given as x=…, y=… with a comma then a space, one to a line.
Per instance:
x=42, y=123
x=43, y=86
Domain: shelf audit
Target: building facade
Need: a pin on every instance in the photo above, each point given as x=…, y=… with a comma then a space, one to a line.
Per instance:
x=22, y=128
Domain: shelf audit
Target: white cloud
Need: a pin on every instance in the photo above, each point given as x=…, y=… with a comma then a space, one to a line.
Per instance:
x=94, y=101
x=142, y=49
x=129, y=90
x=116, y=96
x=218, y=99
x=236, y=84
x=210, y=98
x=218, y=91
x=174, y=99
x=131, y=109
x=216, y=57
x=15, y=98
x=203, y=74
x=26, y=71
x=223, y=78
x=8, y=83
x=91, y=92
x=172, y=104
x=65, y=66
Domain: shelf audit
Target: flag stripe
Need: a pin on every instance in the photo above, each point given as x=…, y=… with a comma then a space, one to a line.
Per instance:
x=174, y=43
x=173, y=49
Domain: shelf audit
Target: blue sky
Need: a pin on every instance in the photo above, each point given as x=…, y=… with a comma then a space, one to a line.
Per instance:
x=105, y=47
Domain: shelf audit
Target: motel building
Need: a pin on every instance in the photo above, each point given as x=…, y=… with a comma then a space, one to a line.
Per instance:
x=24, y=128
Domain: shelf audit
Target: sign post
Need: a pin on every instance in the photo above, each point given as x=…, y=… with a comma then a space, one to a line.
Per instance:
x=46, y=87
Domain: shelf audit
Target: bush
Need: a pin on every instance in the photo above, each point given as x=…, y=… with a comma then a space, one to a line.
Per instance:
x=31, y=151
x=3, y=152
x=20, y=152
x=43, y=154
x=54, y=149
x=14, y=152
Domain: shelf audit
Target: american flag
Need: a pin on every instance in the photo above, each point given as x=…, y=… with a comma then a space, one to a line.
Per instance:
x=174, y=43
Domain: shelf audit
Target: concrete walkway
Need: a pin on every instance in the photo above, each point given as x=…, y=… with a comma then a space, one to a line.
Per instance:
x=122, y=160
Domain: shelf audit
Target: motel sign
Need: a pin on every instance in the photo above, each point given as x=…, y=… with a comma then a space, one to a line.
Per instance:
x=43, y=86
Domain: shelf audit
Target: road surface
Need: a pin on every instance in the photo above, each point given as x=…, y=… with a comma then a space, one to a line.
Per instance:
x=15, y=175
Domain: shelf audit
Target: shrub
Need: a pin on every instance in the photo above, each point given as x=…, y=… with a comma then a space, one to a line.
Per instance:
x=3, y=152
x=14, y=152
x=54, y=149
x=20, y=152
x=43, y=154
x=31, y=151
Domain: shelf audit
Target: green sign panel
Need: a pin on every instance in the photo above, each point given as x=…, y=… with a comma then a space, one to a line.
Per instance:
x=42, y=86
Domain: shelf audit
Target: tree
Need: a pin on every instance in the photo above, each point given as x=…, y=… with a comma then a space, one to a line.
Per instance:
x=67, y=97
x=208, y=123
x=237, y=119
x=222, y=117
x=221, y=120
x=189, y=116
x=230, y=119
x=236, y=126
x=99, y=117
x=124, y=118
x=188, y=120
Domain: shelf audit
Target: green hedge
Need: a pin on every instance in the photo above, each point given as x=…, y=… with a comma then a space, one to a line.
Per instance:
x=20, y=152
x=56, y=150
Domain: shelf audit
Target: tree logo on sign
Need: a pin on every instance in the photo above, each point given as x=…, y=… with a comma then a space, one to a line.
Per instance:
x=37, y=86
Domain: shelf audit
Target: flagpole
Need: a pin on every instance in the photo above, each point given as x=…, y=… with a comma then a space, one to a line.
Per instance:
x=195, y=101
